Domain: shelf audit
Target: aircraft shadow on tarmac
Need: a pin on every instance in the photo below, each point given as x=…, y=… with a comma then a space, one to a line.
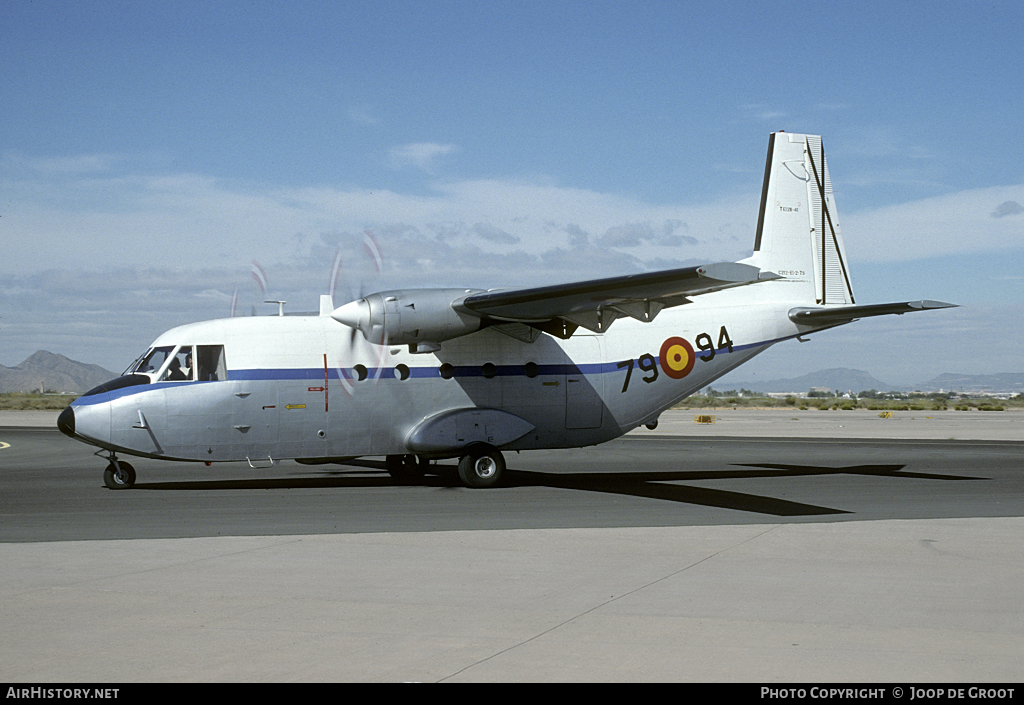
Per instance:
x=658, y=485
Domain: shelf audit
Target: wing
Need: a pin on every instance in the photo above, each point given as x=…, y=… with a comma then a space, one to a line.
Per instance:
x=597, y=303
x=834, y=316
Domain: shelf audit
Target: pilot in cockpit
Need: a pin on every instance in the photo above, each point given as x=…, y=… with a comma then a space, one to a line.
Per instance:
x=176, y=372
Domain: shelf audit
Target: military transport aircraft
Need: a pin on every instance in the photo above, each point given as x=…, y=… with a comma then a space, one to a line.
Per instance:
x=423, y=374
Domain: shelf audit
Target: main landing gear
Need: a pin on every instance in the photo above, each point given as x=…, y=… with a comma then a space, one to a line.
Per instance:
x=482, y=466
x=119, y=475
x=406, y=468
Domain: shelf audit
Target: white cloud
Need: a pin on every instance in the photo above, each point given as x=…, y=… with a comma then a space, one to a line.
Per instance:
x=363, y=115
x=73, y=165
x=958, y=222
x=107, y=246
x=421, y=155
x=95, y=221
x=763, y=111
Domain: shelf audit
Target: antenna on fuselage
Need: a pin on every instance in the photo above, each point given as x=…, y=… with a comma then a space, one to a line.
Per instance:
x=280, y=306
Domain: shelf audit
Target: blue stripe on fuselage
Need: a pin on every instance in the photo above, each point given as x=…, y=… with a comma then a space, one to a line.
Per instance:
x=128, y=391
x=312, y=374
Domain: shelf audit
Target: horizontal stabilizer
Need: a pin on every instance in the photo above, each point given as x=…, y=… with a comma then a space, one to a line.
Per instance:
x=845, y=314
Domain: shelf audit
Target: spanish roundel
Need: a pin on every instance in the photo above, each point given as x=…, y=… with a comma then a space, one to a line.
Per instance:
x=676, y=358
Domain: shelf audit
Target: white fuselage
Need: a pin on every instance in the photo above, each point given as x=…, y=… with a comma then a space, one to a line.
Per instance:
x=293, y=387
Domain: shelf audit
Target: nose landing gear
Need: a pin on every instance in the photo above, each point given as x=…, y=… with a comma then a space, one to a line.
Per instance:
x=119, y=475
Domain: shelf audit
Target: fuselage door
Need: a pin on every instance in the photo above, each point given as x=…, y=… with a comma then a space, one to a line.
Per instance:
x=254, y=420
x=583, y=403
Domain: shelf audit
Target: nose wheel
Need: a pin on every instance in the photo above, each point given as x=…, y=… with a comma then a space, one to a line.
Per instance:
x=119, y=475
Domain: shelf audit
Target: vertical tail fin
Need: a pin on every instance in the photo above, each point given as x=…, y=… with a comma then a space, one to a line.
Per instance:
x=797, y=228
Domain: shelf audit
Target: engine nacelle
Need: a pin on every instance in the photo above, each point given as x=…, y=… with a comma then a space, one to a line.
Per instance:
x=416, y=317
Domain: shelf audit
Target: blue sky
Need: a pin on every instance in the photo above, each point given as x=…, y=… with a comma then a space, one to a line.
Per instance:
x=149, y=152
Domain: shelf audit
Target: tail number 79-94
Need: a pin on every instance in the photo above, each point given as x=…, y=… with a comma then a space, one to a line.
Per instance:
x=677, y=357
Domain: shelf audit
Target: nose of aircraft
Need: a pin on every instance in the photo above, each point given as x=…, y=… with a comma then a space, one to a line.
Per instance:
x=66, y=422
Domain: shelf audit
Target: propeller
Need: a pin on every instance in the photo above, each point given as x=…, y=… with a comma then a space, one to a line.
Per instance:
x=355, y=342
x=259, y=275
x=380, y=352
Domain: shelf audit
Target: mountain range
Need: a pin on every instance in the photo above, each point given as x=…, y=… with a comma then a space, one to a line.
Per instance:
x=52, y=372
x=845, y=379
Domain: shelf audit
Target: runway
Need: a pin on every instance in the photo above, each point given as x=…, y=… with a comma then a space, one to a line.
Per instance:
x=52, y=489
x=661, y=556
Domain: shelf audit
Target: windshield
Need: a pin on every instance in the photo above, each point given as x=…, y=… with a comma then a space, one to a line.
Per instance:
x=152, y=361
x=135, y=364
x=178, y=363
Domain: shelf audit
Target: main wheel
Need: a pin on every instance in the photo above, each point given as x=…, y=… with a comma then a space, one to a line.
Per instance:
x=483, y=466
x=119, y=475
x=404, y=468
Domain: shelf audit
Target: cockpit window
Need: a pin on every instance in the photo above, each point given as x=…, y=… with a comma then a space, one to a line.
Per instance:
x=183, y=363
x=153, y=360
x=179, y=369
